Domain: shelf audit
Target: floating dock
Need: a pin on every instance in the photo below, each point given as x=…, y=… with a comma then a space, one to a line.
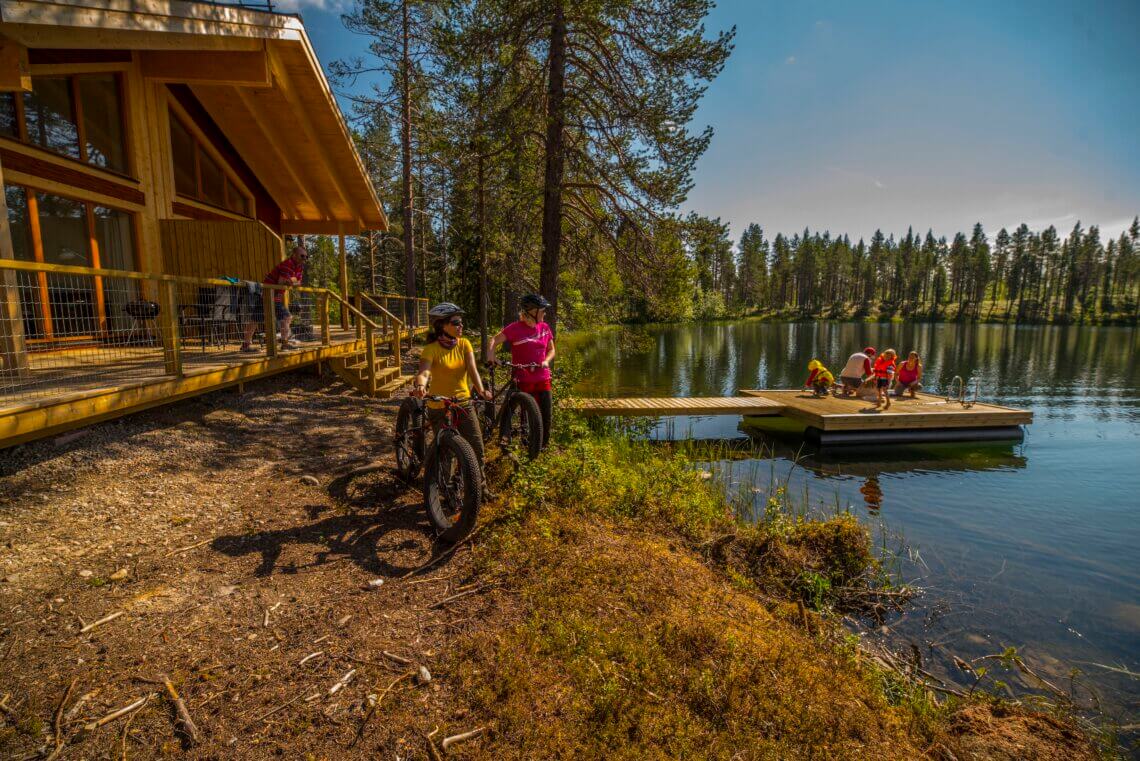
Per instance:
x=833, y=421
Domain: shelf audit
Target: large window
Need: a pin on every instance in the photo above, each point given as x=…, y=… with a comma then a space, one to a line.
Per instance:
x=79, y=116
x=54, y=229
x=198, y=175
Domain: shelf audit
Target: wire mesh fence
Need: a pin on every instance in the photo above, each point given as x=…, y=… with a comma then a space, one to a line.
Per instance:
x=71, y=332
x=412, y=312
x=65, y=330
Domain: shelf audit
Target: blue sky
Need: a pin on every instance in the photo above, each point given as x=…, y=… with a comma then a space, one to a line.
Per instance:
x=854, y=115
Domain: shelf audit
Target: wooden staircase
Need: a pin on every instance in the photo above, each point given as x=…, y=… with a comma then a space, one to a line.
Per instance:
x=353, y=370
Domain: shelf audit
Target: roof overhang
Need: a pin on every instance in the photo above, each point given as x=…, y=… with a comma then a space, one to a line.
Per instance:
x=254, y=72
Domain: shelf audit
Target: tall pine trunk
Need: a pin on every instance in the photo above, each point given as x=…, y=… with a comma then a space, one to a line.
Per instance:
x=406, y=160
x=481, y=212
x=552, y=181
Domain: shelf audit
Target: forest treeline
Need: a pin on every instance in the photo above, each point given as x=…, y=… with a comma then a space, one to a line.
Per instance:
x=1025, y=276
x=547, y=145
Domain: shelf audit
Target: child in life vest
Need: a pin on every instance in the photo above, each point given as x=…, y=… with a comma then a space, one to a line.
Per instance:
x=819, y=378
x=884, y=372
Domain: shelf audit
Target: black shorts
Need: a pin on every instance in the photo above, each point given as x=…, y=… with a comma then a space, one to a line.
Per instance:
x=882, y=382
x=257, y=311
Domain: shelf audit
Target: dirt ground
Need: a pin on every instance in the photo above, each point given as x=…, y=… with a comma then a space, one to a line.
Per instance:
x=227, y=572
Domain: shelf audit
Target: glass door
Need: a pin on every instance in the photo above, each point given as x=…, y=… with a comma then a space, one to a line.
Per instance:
x=54, y=229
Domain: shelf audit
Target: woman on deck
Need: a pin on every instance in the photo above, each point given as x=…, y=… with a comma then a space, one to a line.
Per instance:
x=909, y=376
x=448, y=365
x=532, y=343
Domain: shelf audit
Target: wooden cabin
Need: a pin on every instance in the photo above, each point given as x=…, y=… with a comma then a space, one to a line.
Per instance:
x=155, y=156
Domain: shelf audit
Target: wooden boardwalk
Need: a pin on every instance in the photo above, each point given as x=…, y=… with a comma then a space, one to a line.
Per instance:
x=664, y=406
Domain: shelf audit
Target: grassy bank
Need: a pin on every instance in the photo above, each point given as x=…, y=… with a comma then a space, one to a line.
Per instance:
x=649, y=623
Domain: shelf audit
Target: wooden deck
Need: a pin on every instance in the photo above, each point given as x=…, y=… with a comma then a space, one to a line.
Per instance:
x=70, y=373
x=837, y=420
x=660, y=407
x=927, y=411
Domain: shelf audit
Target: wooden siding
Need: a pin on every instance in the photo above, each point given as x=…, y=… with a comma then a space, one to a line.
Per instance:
x=246, y=250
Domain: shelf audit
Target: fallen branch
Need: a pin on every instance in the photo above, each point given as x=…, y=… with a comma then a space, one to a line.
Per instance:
x=310, y=657
x=453, y=598
x=119, y=713
x=460, y=738
x=74, y=710
x=123, y=739
x=397, y=658
x=57, y=721
x=432, y=752
x=188, y=725
x=101, y=621
x=376, y=705
x=342, y=682
x=187, y=549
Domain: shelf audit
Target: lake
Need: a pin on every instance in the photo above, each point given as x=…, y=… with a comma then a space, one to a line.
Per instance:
x=1034, y=545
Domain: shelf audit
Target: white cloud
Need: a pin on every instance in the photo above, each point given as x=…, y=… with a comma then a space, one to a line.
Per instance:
x=790, y=60
x=878, y=184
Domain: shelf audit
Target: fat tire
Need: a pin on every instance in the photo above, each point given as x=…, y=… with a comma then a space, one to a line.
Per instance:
x=410, y=438
x=451, y=444
x=523, y=404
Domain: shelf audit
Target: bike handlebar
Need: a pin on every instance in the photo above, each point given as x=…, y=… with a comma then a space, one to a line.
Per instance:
x=526, y=366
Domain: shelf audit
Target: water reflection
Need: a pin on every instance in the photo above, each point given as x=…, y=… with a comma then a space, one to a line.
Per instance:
x=1030, y=545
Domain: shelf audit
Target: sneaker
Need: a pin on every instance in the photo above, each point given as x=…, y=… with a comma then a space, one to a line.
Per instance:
x=247, y=349
x=287, y=345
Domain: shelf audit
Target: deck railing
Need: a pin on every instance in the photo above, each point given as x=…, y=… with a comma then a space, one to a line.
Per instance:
x=411, y=311
x=66, y=329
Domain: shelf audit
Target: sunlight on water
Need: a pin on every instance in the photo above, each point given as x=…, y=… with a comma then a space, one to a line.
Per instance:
x=1032, y=545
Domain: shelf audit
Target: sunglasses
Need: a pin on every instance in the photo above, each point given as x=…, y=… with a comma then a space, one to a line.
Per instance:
x=456, y=323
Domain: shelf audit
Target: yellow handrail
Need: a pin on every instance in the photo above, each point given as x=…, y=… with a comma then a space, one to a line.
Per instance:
x=396, y=329
x=369, y=338
x=399, y=322
x=68, y=269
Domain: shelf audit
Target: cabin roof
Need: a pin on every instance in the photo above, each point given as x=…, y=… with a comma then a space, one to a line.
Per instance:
x=255, y=73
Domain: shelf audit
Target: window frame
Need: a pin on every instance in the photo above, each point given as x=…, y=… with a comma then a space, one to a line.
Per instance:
x=129, y=172
x=202, y=144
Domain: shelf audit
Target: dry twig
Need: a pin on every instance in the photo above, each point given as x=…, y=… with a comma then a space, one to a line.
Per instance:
x=101, y=621
x=187, y=549
x=460, y=738
x=119, y=713
x=57, y=721
x=375, y=706
x=184, y=719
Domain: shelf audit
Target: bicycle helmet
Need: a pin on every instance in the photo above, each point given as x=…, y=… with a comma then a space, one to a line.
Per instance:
x=534, y=301
x=443, y=311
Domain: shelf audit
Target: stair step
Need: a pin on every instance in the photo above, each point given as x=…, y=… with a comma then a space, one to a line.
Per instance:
x=393, y=386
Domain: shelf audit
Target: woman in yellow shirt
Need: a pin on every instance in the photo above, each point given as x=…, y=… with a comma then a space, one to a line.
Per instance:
x=447, y=365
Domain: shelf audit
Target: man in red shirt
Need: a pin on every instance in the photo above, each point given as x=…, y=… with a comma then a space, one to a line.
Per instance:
x=287, y=272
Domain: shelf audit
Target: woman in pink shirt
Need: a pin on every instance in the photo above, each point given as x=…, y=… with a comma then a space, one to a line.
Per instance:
x=532, y=342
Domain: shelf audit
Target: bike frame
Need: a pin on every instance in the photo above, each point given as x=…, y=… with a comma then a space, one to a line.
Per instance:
x=499, y=400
